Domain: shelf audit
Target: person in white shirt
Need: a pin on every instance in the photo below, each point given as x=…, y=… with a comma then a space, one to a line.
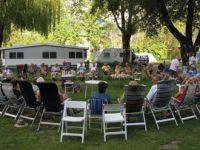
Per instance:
x=174, y=67
x=192, y=60
x=153, y=90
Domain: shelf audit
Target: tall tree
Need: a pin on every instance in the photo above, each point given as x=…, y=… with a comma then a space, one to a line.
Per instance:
x=78, y=25
x=38, y=15
x=186, y=11
x=127, y=14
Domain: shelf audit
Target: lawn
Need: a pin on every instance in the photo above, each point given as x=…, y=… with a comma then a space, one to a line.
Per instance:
x=169, y=137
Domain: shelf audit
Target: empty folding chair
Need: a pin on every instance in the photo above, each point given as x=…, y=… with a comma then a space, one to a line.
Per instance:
x=187, y=103
x=68, y=118
x=114, y=114
x=51, y=102
x=134, y=98
x=161, y=103
x=31, y=102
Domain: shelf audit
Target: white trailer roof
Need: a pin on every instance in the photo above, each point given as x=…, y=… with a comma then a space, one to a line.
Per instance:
x=48, y=44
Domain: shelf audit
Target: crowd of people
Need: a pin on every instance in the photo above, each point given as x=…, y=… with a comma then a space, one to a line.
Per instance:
x=155, y=74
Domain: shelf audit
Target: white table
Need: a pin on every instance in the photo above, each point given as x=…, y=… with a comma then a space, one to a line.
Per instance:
x=91, y=82
x=67, y=76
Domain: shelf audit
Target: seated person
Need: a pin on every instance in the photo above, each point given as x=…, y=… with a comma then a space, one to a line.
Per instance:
x=32, y=70
x=43, y=69
x=179, y=97
x=40, y=78
x=66, y=66
x=161, y=68
x=117, y=69
x=149, y=70
x=93, y=70
x=106, y=69
x=7, y=74
x=138, y=66
x=25, y=71
x=54, y=71
x=192, y=71
x=81, y=70
x=132, y=84
x=101, y=94
x=153, y=89
x=17, y=92
x=128, y=69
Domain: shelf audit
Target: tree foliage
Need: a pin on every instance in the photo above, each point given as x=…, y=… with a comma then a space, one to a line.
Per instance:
x=168, y=12
x=78, y=25
x=38, y=15
x=127, y=15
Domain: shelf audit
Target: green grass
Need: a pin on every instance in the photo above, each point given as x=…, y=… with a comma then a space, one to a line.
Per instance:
x=186, y=136
x=47, y=138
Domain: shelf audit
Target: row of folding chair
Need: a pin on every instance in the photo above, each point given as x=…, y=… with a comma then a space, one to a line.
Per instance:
x=134, y=99
x=118, y=113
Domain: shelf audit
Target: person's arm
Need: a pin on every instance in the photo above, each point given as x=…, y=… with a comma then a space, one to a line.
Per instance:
x=151, y=93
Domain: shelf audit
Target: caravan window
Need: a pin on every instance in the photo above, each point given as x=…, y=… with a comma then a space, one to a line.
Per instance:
x=53, y=55
x=79, y=55
x=45, y=55
x=12, y=55
x=106, y=54
x=71, y=54
x=20, y=55
x=121, y=55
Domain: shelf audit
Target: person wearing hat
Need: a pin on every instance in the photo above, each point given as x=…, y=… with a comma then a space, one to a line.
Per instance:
x=101, y=94
x=132, y=84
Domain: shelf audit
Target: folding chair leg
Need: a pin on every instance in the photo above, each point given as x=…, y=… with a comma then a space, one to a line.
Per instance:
x=125, y=130
x=3, y=111
x=40, y=119
x=6, y=109
x=19, y=112
x=194, y=113
x=35, y=117
x=173, y=115
x=145, y=125
x=155, y=119
x=197, y=108
x=59, y=128
x=61, y=135
x=83, y=132
x=104, y=131
x=180, y=116
x=89, y=122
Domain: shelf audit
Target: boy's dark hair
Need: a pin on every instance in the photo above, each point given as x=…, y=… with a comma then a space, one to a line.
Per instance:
x=102, y=86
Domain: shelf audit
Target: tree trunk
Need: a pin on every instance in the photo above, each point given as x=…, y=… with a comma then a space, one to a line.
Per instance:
x=186, y=47
x=126, y=46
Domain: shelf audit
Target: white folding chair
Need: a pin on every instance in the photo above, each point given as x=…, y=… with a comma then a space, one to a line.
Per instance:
x=112, y=114
x=68, y=118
